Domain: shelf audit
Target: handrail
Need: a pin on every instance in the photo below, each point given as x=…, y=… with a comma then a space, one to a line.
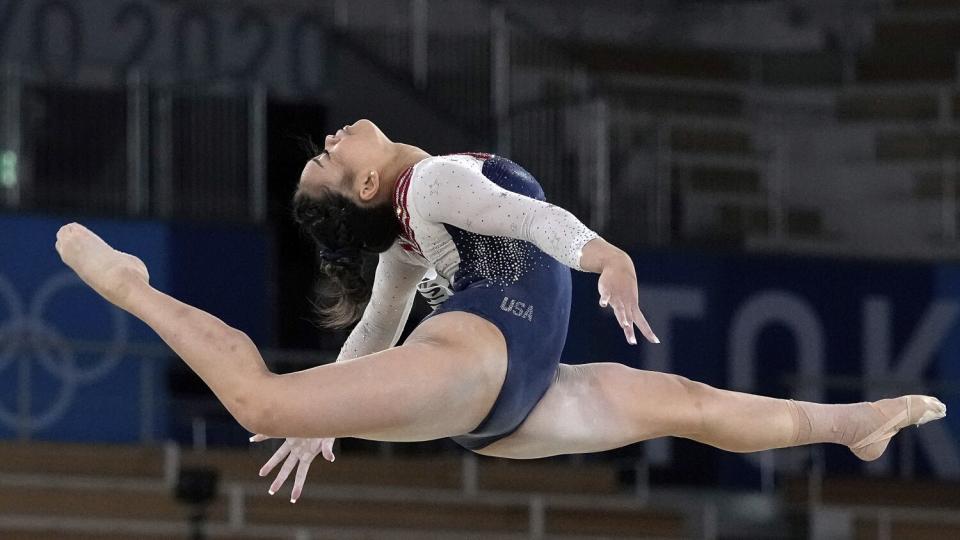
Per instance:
x=237, y=495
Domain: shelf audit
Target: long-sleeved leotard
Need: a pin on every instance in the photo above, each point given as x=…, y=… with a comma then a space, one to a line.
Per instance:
x=453, y=190
x=481, y=224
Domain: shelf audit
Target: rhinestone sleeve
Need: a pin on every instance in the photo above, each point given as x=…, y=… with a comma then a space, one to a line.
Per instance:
x=446, y=191
x=394, y=288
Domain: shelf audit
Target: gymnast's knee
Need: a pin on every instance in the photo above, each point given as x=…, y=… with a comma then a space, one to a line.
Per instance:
x=679, y=409
x=694, y=403
x=255, y=407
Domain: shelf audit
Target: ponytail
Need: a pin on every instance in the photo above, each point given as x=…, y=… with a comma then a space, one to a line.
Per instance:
x=343, y=234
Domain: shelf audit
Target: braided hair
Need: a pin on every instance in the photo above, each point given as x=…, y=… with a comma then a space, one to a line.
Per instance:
x=344, y=235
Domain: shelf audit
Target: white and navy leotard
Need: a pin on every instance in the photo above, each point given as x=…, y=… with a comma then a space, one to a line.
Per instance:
x=479, y=225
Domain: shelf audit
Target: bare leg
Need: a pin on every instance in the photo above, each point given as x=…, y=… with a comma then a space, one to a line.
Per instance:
x=196, y=336
x=597, y=407
x=429, y=389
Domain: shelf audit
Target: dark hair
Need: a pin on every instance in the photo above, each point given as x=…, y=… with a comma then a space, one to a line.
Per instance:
x=344, y=234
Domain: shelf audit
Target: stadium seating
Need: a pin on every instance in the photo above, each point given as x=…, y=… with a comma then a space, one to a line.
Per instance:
x=880, y=507
x=77, y=491
x=889, y=104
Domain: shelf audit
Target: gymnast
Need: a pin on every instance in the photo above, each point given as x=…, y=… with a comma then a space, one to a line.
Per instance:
x=473, y=234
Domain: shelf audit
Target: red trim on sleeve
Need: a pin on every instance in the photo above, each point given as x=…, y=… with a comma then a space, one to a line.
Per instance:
x=408, y=240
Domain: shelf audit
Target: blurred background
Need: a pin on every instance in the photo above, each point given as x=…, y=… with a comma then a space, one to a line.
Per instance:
x=784, y=173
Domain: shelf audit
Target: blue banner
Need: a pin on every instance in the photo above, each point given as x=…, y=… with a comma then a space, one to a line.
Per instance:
x=73, y=367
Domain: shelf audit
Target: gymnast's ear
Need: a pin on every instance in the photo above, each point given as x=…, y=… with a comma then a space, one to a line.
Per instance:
x=369, y=185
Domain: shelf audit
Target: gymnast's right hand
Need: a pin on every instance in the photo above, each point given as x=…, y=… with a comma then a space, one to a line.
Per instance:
x=294, y=452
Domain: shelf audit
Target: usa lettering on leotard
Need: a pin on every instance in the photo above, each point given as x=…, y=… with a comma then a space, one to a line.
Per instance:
x=519, y=309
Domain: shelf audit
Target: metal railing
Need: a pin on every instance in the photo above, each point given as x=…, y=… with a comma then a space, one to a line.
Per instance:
x=202, y=145
x=804, y=159
x=186, y=151
x=502, y=79
x=239, y=517
x=547, y=111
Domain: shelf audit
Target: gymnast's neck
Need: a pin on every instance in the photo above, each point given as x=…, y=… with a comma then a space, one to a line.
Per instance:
x=402, y=157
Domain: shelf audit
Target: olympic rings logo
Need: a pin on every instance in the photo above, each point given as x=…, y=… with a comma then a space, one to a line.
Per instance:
x=27, y=335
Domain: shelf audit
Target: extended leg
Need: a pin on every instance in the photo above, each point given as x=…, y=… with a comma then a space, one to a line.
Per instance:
x=596, y=407
x=429, y=389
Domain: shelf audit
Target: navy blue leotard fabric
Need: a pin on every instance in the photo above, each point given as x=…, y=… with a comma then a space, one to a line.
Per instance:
x=526, y=294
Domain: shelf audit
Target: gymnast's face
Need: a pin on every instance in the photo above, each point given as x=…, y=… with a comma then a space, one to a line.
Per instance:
x=350, y=163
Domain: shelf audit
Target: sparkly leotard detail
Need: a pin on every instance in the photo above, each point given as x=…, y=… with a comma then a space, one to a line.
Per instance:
x=453, y=190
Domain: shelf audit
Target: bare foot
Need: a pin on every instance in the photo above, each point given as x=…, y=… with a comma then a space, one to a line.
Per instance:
x=886, y=417
x=106, y=270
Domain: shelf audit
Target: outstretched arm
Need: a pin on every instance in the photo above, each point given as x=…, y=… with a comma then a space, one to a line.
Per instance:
x=394, y=289
x=453, y=192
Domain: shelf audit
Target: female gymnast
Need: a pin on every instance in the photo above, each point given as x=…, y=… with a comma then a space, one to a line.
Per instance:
x=484, y=367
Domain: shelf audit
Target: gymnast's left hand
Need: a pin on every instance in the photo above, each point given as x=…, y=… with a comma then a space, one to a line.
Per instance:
x=295, y=451
x=618, y=289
